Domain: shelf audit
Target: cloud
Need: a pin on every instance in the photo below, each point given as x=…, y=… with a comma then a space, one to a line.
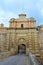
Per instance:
x=13, y=1
x=11, y=8
x=8, y=1
x=41, y=11
x=40, y=5
x=6, y=15
x=39, y=8
x=1, y=12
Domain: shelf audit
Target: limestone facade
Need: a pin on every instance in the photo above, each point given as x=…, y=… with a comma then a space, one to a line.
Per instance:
x=21, y=31
x=41, y=39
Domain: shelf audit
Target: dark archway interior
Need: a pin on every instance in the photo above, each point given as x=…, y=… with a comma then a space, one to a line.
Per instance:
x=22, y=49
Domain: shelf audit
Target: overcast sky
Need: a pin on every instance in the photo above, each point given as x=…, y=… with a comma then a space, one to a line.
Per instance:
x=11, y=9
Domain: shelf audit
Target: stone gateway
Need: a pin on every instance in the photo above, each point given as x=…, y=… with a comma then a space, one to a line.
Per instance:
x=21, y=35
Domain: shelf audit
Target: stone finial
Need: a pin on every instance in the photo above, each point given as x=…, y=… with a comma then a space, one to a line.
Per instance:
x=1, y=25
x=32, y=19
x=22, y=15
x=12, y=20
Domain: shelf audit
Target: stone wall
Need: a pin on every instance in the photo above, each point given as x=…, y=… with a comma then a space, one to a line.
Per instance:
x=4, y=55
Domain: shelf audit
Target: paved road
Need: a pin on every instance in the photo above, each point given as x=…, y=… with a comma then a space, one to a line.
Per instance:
x=21, y=60
x=16, y=60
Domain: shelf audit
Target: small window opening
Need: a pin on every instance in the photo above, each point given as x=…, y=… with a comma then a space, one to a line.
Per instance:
x=21, y=25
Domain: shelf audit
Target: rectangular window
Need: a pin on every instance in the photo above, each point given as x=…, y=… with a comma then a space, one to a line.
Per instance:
x=21, y=25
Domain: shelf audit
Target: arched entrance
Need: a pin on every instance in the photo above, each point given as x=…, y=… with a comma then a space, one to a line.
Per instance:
x=21, y=49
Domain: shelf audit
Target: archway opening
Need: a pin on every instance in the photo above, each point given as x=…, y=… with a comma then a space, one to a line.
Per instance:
x=21, y=49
